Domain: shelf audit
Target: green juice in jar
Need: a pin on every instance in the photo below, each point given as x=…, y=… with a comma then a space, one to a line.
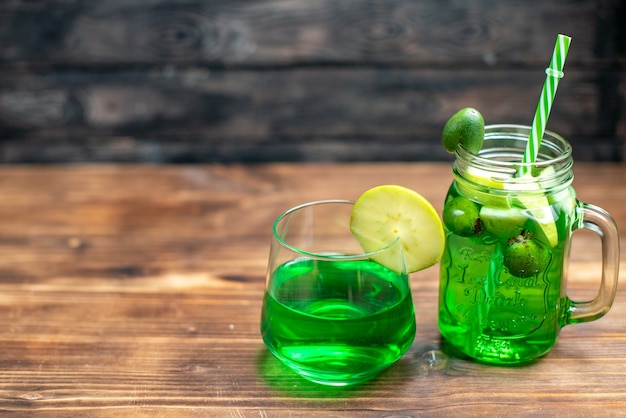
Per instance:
x=508, y=224
x=495, y=304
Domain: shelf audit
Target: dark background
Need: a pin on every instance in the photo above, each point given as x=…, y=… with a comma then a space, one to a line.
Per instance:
x=165, y=81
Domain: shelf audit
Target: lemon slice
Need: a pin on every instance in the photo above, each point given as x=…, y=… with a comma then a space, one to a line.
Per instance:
x=387, y=213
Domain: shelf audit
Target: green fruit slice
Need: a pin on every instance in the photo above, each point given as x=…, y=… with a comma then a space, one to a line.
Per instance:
x=467, y=128
x=502, y=222
x=388, y=213
x=486, y=179
x=535, y=205
x=539, y=208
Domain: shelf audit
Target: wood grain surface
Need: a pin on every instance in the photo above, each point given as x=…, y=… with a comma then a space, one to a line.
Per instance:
x=136, y=291
x=274, y=80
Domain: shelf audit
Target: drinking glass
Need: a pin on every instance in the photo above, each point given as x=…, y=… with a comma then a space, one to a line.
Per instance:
x=329, y=312
x=503, y=275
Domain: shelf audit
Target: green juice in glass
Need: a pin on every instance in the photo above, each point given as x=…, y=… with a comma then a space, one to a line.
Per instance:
x=337, y=321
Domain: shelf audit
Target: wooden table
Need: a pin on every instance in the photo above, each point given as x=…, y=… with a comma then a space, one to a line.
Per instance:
x=136, y=291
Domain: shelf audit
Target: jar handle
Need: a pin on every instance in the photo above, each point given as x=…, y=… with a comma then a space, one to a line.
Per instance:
x=599, y=221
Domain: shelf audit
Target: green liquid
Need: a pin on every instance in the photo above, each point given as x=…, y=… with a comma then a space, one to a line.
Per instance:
x=337, y=322
x=488, y=313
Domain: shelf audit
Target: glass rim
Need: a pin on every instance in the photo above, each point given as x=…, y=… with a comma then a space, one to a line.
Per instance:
x=322, y=256
x=519, y=132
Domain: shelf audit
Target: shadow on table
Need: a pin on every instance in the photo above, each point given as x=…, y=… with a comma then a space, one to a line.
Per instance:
x=420, y=362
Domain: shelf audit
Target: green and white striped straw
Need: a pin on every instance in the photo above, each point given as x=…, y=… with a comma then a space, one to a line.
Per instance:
x=553, y=74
